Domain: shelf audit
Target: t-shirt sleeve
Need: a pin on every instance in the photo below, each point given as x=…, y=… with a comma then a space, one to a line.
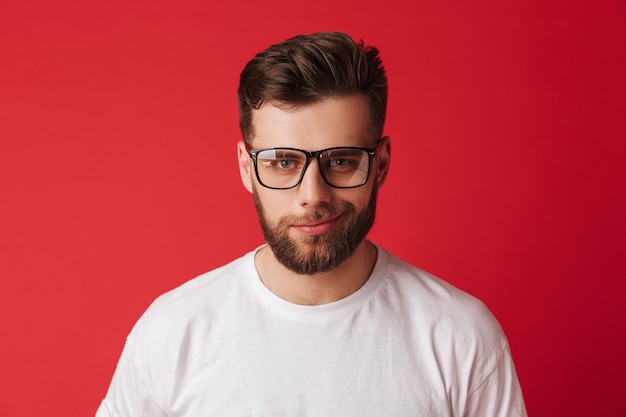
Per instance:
x=129, y=394
x=499, y=394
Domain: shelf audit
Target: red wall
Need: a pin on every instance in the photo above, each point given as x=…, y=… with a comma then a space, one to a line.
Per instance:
x=118, y=177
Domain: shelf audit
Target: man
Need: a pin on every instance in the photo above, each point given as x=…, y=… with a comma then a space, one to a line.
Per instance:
x=320, y=321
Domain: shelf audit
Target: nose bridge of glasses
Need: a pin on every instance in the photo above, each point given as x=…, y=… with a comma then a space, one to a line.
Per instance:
x=312, y=155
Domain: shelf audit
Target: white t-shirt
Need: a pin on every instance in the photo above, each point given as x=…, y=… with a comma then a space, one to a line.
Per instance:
x=404, y=344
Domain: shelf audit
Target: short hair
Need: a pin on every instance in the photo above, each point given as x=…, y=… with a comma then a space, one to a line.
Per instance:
x=309, y=68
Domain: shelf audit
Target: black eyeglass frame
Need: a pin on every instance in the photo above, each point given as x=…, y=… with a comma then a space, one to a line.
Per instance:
x=371, y=153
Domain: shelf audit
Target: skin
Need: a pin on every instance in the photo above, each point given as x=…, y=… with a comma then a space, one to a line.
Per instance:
x=336, y=121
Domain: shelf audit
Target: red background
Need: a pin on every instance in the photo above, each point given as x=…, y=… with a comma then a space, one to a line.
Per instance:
x=118, y=176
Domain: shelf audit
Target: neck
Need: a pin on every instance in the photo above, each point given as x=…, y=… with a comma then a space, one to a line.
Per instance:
x=322, y=288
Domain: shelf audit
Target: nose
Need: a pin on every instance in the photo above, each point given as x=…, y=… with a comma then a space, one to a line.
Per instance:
x=313, y=190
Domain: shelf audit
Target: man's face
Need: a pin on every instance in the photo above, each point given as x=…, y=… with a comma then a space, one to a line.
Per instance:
x=314, y=227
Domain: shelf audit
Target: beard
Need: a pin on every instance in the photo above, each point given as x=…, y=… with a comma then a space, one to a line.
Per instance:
x=309, y=255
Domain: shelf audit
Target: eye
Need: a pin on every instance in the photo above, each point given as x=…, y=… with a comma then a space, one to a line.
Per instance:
x=344, y=163
x=338, y=163
x=285, y=164
x=282, y=164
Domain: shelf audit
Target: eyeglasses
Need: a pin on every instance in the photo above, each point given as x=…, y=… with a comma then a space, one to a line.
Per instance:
x=284, y=168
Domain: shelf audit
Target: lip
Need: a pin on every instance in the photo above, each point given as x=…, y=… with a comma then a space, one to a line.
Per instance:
x=317, y=227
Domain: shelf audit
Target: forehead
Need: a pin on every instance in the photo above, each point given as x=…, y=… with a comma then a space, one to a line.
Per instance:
x=335, y=121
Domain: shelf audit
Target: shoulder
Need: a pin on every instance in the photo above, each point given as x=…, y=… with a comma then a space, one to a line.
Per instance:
x=199, y=299
x=453, y=328
x=456, y=331
x=426, y=289
x=431, y=302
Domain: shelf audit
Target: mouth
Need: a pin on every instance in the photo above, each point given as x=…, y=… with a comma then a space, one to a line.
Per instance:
x=317, y=227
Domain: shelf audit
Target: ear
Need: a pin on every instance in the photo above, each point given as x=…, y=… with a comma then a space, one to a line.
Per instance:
x=245, y=165
x=383, y=158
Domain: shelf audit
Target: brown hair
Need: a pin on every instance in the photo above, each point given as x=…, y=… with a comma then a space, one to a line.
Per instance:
x=308, y=68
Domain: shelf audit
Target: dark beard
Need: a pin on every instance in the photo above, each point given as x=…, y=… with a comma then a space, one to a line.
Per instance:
x=311, y=255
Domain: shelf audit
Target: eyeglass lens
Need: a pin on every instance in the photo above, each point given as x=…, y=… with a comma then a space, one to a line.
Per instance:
x=340, y=167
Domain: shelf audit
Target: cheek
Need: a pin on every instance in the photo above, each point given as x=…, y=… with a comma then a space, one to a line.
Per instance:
x=359, y=197
x=273, y=204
